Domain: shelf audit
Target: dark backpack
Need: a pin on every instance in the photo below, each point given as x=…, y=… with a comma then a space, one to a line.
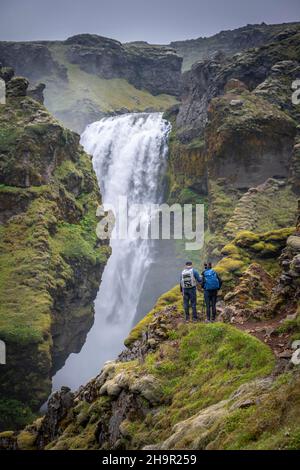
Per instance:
x=211, y=281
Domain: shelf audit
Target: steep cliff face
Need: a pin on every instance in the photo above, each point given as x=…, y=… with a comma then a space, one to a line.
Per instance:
x=30, y=59
x=51, y=260
x=264, y=68
x=231, y=41
x=88, y=76
x=234, y=143
x=154, y=68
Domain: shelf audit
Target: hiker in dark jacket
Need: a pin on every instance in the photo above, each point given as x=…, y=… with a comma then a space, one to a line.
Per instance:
x=211, y=283
x=188, y=282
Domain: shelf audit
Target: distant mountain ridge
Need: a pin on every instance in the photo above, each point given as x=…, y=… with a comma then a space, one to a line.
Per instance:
x=88, y=76
x=229, y=41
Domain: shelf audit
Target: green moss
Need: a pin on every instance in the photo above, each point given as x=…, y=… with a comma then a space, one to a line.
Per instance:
x=6, y=434
x=228, y=265
x=230, y=250
x=14, y=414
x=248, y=247
x=207, y=365
x=172, y=297
x=291, y=326
x=197, y=366
x=222, y=202
x=273, y=424
x=8, y=138
x=259, y=246
x=294, y=441
x=26, y=440
x=246, y=239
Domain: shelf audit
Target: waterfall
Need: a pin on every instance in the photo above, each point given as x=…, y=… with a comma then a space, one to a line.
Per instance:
x=129, y=154
x=129, y=157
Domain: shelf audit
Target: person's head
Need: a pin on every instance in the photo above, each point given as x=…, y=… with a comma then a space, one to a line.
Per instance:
x=188, y=264
x=207, y=265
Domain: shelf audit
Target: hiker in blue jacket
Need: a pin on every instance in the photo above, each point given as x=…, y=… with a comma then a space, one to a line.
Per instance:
x=211, y=283
x=188, y=282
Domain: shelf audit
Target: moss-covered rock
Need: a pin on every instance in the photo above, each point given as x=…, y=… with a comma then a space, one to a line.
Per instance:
x=51, y=260
x=194, y=368
x=246, y=145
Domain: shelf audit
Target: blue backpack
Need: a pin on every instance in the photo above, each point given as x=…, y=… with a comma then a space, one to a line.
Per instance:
x=211, y=281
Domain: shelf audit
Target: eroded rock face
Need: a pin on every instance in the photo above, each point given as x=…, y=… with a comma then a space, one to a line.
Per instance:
x=287, y=292
x=32, y=60
x=154, y=68
x=208, y=78
x=254, y=288
x=249, y=143
x=58, y=406
x=149, y=76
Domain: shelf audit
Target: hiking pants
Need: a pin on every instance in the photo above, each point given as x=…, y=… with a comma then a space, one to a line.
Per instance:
x=190, y=297
x=210, y=297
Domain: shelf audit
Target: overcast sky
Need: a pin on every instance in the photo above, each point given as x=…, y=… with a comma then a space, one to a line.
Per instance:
x=155, y=21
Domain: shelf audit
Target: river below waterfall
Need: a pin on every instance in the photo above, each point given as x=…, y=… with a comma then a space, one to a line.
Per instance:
x=129, y=157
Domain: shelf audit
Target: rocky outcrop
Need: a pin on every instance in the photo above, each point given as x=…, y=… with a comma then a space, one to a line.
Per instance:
x=200, y=431
x=124, y=407
x=30, y=59
x=208, y=78
x=152, y=404
x=248, y=140
x=51, y=260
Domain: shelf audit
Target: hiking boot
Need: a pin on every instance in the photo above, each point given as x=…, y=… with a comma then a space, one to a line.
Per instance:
x=207, y=321
x=195, y=320
x=186, y=320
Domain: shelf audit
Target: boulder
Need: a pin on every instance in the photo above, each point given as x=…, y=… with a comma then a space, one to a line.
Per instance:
x=293, y=242
x=148, y=387
x=236, y=103
x=17, y=87
x=6, y=73
x=196, y=427
x=114, y=386
x=296, y=357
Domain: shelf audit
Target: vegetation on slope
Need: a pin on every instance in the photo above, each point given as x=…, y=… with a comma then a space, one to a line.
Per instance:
x=50, y=259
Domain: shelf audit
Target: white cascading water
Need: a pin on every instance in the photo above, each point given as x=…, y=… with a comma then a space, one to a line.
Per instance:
x=129, y=155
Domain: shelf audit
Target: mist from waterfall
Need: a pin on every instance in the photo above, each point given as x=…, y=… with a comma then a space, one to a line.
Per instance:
x=129, y=157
